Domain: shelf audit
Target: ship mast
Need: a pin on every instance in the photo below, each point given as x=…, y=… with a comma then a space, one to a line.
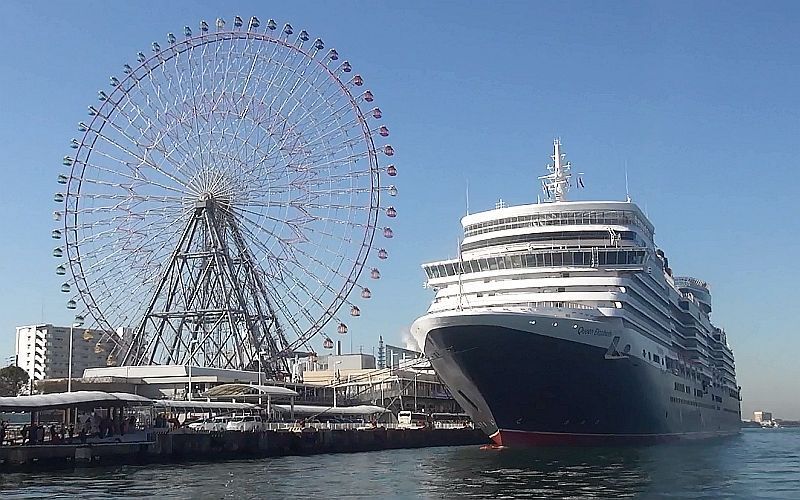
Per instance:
x=556, y=184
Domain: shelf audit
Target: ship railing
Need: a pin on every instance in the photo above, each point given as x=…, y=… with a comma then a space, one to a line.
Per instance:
x=577, y=218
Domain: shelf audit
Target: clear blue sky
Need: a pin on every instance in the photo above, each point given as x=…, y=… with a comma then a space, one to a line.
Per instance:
x=699, y=98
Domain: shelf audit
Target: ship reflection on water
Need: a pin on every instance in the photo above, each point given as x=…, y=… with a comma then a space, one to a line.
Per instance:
x=728, y=467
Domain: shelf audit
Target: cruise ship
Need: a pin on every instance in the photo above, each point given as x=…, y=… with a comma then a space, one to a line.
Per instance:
x=561, y=322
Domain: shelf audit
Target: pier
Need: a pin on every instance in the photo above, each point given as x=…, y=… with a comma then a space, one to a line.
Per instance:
x=184, y=446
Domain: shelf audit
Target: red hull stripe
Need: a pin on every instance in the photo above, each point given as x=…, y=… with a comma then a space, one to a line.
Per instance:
x=513, y=438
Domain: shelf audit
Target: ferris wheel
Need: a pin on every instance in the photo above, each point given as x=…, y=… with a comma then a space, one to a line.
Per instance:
x=223, y=200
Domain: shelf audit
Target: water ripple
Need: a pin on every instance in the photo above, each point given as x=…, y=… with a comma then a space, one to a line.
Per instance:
x=758, y=464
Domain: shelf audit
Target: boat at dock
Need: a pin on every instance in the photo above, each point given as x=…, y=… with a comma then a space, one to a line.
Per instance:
x=561, y=322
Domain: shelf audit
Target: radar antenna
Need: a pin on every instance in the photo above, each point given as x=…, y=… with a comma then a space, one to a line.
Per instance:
x=556, y=184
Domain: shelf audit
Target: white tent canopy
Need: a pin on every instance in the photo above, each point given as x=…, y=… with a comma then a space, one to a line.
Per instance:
x=90, y=399
x=332, y=410
x=202, y=405
x=245, y=390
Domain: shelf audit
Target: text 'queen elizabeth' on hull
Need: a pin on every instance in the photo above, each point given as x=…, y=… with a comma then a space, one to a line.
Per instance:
x=560, y=322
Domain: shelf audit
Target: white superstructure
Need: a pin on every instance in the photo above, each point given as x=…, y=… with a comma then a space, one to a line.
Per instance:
x=593, y=264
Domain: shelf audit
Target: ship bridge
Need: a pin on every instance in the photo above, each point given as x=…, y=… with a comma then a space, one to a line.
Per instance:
x=553, y=222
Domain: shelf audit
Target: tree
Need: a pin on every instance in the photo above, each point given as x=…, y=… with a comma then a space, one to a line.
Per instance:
x=12, y=380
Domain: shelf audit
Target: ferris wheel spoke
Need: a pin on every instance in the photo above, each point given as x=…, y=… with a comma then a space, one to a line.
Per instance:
x=270, y=108
x=297, y=122
x=299, y=229
x=156, y=142
x=141, y=179
x=320, y=281
x=332, y=179
x=297, y=81
x=285, y=245
x=144, y=246
x=141, y=158
x=295, y=250
x=305, y=204
x=147, y=127
x=246, y=82
x=132, y=197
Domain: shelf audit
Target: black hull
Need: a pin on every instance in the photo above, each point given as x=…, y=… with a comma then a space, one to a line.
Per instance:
x=523, y=388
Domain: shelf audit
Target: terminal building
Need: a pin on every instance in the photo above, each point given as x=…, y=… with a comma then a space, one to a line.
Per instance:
x=407, y=382
x=43, y=351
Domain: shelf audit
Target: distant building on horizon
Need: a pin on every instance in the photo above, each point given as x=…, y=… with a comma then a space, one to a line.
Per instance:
x=762, y=416
x=43, y=351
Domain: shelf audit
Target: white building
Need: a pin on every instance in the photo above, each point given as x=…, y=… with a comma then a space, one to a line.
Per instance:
x=762, y=416
x=43, y=351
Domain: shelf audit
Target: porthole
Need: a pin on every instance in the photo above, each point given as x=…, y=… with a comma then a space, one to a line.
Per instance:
x=555, y=323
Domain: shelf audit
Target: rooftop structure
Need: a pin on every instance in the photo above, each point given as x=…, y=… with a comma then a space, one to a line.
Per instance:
x=173, y=381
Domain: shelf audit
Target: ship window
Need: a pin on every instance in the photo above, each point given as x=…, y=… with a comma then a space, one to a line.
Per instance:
x=548, y=259
x=493, y=264
x=501, y=262
x=557, y=259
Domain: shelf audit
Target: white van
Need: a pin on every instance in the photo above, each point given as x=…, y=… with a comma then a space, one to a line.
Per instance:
x=246, y=423
x=213, y=424
x=412, y=420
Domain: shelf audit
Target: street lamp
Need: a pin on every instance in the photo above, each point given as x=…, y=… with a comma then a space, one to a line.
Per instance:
x=192, y=342
x=75, y=324
x=336, y=380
